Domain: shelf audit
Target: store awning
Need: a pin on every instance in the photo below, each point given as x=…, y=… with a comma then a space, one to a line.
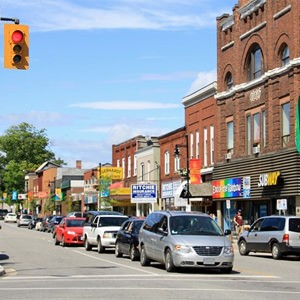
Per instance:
x=201, y=190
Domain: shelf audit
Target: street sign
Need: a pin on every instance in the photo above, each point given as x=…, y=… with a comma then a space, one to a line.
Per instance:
x=143, y=193
x=281, y=204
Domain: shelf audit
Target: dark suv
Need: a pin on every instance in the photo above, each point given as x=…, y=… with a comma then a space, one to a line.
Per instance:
x=3, y=213
x=185, y=239
x=279, y=235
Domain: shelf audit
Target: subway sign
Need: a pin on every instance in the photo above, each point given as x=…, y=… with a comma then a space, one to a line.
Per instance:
x=268, y=179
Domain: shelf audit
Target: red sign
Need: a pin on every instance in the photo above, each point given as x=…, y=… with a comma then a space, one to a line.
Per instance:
x=195, y=174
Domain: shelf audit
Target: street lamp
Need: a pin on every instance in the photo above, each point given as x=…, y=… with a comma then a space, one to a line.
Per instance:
x=177, y=154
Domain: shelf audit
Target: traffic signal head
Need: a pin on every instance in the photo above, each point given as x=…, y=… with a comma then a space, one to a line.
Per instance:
x=16, y=46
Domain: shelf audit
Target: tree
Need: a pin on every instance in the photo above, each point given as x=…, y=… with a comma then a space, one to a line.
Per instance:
x=23, y=148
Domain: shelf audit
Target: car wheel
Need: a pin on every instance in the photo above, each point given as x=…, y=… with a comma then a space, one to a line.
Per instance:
x=243, y=247
x=117, y=250
x=56, y=241
x=63, y=243
x=100, y=248
x=87, y=245
x=276, y=254
x=226, y=270
x=169, y=264
x=144, y=259
x=133, y=253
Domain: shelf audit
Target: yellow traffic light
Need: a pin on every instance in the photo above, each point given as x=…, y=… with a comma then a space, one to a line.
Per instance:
x=16, y=46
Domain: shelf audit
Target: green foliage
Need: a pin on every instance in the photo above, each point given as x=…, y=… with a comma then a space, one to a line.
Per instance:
x=23, y=149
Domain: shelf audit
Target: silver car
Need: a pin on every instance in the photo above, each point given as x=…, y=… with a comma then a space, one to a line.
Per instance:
x=24, y=220
x=185, y=239
x=278, y=235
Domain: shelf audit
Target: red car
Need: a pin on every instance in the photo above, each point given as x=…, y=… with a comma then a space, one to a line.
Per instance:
x=69, y=232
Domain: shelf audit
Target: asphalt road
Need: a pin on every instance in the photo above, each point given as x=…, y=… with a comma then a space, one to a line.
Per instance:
x=37, y=269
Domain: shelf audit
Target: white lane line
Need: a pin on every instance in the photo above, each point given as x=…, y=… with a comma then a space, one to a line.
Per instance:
x=110, y=288
x=117, y=264
x=166, y=277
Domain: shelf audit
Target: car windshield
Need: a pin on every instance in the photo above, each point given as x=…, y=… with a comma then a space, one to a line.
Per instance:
x=194, y=225
x=75, y=223
x=27, y=217
x=112, y=221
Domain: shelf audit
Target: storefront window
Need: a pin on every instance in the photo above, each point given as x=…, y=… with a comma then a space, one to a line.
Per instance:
x=230, y=135
x=285, y=118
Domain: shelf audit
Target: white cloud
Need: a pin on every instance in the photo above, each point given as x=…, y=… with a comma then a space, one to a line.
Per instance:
x=43, y=118
x=125, y=105
x=203, y=79
x=53, y=15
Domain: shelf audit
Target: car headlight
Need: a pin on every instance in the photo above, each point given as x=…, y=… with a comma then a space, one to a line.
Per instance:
x=107, y=235
x=182, y=248
x=70, y=232
x=228, y=250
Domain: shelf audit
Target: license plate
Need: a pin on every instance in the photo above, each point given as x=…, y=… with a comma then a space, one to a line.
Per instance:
x=208, y=261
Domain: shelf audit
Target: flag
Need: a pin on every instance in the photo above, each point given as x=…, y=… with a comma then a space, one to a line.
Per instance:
x=297, y=125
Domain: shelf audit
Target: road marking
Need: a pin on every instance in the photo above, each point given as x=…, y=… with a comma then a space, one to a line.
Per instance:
x=114, y=263
x=163, y=277
x=215, y=290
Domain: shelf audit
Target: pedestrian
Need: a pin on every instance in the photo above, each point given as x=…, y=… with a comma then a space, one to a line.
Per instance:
x=238, y=222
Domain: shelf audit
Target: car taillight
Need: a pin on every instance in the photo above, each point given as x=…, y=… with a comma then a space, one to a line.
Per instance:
x=285, y=238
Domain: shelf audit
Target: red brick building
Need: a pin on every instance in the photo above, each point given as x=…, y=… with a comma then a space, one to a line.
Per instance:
x=124, y=156
x=258, y=56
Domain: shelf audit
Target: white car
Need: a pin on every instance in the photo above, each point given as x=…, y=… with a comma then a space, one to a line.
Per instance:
x=10, y=217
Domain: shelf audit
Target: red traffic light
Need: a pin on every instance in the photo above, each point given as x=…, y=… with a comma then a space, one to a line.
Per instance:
x=16, y=46
x=17, y=36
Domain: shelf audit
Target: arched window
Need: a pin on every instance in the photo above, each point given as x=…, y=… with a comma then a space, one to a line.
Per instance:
x=254, y=63
x=285, y=55
x=229, y=80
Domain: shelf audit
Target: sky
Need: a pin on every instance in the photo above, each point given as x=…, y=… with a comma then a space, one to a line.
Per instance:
x=104, y=71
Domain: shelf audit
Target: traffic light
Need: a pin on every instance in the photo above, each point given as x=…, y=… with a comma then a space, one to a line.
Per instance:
x=16, y=46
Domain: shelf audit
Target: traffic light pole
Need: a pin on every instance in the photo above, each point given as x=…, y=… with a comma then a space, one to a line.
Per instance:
x=16, y=21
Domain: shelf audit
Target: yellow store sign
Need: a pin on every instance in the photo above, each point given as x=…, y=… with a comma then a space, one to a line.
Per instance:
x=111, y=172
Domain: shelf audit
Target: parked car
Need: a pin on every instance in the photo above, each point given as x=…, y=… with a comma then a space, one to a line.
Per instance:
x=10, y=217
x=91, y=214
x=55, y=220
x=24, y=220
x=33, y=222
x=278, y=235
x=185, y=239
x=102, y=231
x=38, y=224
x=3, y=213
x=127, y=240
x=44, y=224
x=69, y=231
x=77, y=214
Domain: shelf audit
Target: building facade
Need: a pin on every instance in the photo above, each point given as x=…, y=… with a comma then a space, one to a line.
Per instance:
x=257, y=164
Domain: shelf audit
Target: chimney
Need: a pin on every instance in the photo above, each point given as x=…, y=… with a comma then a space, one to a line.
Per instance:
x=78, y=164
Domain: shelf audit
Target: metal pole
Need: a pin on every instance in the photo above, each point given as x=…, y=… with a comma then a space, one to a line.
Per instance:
x=54, y=185
x=100, y=188
x=16, y=21
x=187, y=169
